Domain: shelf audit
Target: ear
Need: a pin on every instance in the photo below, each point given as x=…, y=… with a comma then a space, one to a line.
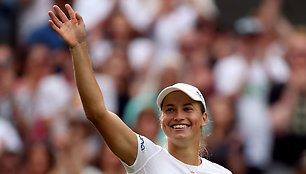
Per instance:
x=204, y=119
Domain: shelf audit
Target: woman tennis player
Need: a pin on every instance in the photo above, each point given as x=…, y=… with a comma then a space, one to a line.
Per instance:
x=183, y=114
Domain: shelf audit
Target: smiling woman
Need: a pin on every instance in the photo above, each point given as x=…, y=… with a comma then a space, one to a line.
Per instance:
x=182, y=106
x=183, y=115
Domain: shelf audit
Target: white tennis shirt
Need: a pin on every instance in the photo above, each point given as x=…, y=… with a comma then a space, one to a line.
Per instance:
x=153, y=159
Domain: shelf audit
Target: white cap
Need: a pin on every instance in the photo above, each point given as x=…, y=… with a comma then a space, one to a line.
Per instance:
x=193, y=92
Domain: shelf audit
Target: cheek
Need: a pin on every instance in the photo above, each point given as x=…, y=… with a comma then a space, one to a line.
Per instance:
x=163, y=121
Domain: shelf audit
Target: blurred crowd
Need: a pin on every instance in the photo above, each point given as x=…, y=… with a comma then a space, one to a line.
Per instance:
x=252, y=74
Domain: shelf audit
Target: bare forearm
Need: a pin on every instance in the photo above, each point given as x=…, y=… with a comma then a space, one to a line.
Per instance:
x=109, y=125
x=89, y=90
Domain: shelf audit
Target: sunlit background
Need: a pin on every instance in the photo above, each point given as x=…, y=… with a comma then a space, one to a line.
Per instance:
x=248, y=58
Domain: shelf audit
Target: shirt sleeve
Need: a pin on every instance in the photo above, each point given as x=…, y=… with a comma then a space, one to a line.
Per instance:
x=146, y=150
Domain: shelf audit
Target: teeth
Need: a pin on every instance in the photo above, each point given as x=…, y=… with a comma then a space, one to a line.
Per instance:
x=179, y=126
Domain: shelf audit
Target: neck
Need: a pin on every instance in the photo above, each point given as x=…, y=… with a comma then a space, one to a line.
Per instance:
x=186, y=154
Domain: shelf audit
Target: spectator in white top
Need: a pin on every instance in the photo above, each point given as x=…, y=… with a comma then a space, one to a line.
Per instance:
x=9, y=138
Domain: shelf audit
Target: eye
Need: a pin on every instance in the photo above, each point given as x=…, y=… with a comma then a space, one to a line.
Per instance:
x=188, y=109
x=169, y=110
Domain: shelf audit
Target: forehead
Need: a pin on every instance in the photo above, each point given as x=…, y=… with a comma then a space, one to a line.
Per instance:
x=177, y=97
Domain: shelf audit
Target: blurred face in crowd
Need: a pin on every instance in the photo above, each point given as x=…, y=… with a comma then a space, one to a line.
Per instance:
x=220, y=108
x=147, y=124
x=38, y=61
x=169, y=76
x=120, y=27
x=167, y=5
x=181, y=118
x=188, y=43
x=296, y=54
x=7, y=74
x=109, y=162
x=39, y=161
x=10, y=163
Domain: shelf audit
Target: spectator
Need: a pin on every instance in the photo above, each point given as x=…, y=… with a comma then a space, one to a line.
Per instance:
x=38, y=64
x=9, y=138
x=243, y=76
x=288, y=104
x=172, y=19
x=7, y=78
x=10, y=163
x=109, y=162
x=223, y=144
x=38, y=159
x=72, y=145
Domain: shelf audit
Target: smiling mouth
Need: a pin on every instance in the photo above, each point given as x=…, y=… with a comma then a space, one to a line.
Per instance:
x=180, y=126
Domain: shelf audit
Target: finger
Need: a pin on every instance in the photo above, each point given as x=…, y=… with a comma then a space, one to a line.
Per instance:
x=70, y=12
x=53, y=26
x=60, y=13
x=56, y=21
x=79, y=18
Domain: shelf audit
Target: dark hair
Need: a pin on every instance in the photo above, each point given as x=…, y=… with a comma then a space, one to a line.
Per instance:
x=202, y=107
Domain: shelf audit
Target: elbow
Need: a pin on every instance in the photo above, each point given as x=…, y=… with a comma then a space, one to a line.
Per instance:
x=95, y=113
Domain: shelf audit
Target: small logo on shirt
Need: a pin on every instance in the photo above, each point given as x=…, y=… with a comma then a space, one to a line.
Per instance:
x=142, y=146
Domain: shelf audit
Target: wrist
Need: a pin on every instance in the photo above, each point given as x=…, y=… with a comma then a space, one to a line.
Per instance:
x=78, y=45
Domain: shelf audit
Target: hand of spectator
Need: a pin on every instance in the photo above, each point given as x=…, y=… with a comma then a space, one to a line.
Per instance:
x=71, y=30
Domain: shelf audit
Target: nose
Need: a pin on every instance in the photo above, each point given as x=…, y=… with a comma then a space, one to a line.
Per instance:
x=178, y=116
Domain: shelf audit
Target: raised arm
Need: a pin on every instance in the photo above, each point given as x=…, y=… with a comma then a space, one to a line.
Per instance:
x=118, y=136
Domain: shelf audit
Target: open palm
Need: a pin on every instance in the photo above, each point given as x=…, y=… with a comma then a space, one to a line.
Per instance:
x=72, y=31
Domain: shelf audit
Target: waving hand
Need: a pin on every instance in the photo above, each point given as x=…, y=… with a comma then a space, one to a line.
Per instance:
x=71, y=30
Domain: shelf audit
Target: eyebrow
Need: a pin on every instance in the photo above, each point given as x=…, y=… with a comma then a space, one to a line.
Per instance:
x=169, y=105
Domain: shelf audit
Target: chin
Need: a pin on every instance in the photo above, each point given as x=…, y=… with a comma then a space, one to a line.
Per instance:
x=179, y=136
